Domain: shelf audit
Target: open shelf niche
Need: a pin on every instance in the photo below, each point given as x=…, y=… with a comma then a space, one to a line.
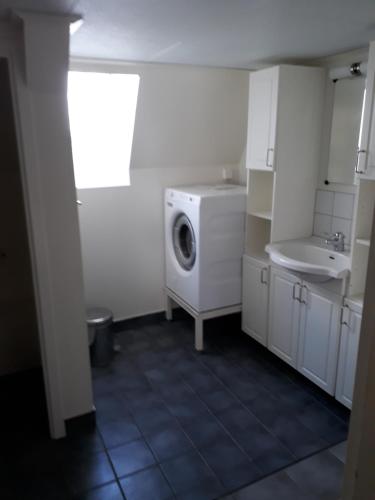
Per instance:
x=260, y=194
x=361, y=235
x=258, y=235
x=259, y=212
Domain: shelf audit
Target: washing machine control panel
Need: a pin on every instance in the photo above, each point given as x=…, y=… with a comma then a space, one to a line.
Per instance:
x=179, y=196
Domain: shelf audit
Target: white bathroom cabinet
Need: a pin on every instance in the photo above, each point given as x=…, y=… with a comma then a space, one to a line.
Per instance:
x=284, y=116
x=255, y=299
x=350, y=331
x=319, y=335
x=283, y=151
x=284, y=312
x=262, y=119
x=304, y=327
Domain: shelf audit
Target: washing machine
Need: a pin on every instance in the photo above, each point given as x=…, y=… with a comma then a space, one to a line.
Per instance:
x=204, y=243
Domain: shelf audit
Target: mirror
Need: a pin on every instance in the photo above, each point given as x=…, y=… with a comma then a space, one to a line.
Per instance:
x=346, y=120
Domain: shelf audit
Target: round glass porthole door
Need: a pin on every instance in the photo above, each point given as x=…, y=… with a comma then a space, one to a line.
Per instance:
x=184, y=242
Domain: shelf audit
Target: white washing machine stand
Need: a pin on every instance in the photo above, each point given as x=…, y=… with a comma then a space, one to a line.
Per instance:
x=199, y=317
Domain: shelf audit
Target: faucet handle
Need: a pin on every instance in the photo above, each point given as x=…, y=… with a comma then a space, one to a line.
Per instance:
x=340, y=235
x=337, y=239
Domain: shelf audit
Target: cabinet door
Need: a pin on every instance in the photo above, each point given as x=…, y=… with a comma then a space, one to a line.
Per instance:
x=261, y=132
x=350, y=330
x=365, y=166
x=284, y=316
x=319, y=336
x=255, y=299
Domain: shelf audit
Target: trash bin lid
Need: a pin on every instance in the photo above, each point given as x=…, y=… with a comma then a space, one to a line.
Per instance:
x=98, y=316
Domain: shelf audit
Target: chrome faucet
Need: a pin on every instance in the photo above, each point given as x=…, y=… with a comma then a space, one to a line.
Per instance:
x=337, y=241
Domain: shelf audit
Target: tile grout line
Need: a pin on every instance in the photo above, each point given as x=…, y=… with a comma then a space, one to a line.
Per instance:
x=111, y=464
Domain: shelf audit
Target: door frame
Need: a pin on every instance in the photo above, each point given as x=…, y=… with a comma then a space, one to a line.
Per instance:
x=11, y=49
x=359, y=478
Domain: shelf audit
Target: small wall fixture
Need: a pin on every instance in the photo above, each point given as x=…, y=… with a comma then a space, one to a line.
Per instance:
x=355, y=69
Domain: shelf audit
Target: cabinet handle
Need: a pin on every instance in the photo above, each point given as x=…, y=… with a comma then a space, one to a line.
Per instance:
x=307, y=294
x=262, y=280
x=357, y=171
x=268, y=164
x=342, y=315
x=294, y=292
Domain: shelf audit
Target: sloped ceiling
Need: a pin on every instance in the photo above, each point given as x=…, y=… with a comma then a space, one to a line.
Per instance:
x=227, y=33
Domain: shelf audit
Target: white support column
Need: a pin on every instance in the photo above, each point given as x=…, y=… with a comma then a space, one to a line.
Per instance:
x=168, y=307
x=40, y=89
x=199, y=345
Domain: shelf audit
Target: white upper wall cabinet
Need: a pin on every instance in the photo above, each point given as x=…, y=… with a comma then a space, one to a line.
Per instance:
x=284, y=121
x=365, y=165
x=262, y=119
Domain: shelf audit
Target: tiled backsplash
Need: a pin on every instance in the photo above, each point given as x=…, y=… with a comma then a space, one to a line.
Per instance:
x=333, y=213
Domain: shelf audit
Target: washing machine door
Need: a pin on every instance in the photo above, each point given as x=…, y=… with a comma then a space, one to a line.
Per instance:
x=184, y=242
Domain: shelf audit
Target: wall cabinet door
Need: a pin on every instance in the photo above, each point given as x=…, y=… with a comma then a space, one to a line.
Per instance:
x=365, y=166
x=284, y=316
x=319, y=336
x=350, y=331
x=261, y=132
x=255, y=299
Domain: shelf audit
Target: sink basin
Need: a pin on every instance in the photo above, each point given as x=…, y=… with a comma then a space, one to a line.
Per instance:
x=307, y=256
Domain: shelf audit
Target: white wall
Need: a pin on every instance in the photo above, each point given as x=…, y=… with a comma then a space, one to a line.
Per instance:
x=190, y=123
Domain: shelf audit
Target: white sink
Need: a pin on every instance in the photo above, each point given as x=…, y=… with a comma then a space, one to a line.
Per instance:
x=308, y=256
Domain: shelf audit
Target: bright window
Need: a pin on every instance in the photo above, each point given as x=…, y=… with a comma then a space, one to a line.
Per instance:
x=102, y=110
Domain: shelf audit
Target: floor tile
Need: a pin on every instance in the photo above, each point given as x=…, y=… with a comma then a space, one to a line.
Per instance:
x=245, y=390
x=119, y=432
x=204, y=429
x=267, y=452
x=110, y=407
x=131, y=457
x=85, y=472
x=141, y=399
x=202, y=381
x=155, y=418
x=339, y=451
x=209, y=489
x=107, y=492
x=146, y=485
x=325, y=424
x=187, y=472
x=176, y=392
x=230, y=464
x=300, y=441
x=237, y=419
x=279, y=486
x=158, y=376
x=169, y=443
x=268, y=408
x=219, y=400
x=187, y=409
x=320, y=474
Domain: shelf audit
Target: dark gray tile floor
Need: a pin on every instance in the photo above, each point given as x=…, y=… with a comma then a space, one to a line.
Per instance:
x=202, y=425
x=171, y=422
x=318, y=477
